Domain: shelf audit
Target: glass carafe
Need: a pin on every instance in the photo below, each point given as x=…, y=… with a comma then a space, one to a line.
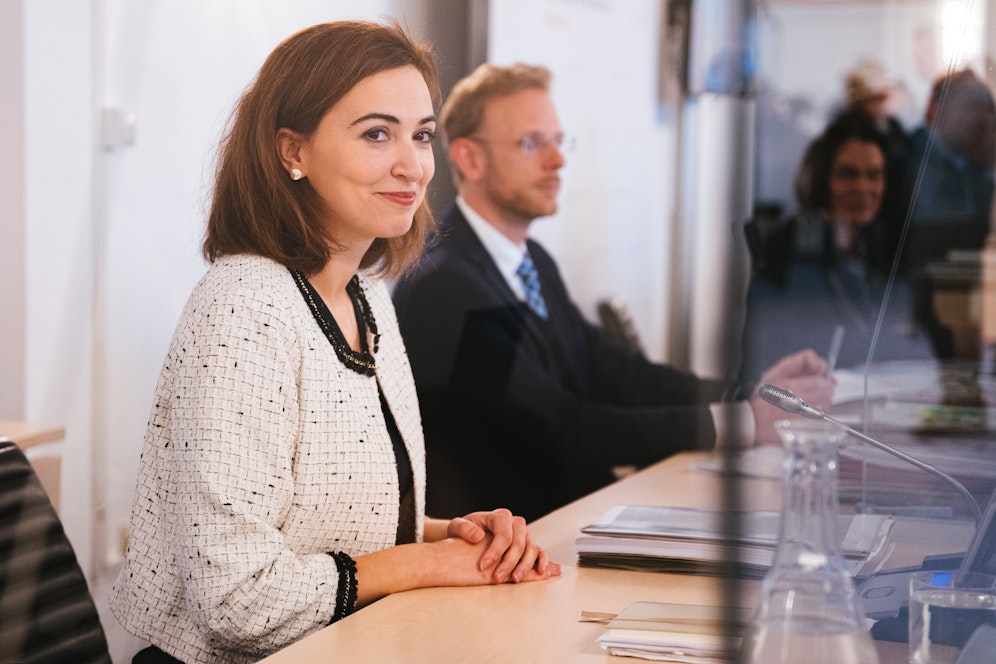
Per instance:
x=808, y=610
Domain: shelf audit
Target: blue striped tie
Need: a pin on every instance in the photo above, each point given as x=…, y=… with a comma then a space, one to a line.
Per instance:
x=530, y=279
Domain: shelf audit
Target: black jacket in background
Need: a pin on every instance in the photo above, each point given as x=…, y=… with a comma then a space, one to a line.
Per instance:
x=524, y=413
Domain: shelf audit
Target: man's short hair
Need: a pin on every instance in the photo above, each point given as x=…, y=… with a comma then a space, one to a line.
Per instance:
x=463, y=111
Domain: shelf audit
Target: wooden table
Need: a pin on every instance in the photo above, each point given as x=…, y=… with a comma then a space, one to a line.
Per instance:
x=539, y=622
x=27, y=434
x=48, y=466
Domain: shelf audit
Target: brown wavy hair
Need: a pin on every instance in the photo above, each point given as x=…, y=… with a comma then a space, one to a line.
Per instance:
x=256, y=208
x=812, y=179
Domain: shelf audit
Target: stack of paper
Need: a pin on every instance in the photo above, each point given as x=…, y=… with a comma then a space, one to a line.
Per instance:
x=942, y=413
x=681, y=539
x=675, y=633
x=869, y=475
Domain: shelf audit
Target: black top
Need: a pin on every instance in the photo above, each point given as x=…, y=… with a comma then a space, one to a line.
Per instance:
x=362, y=362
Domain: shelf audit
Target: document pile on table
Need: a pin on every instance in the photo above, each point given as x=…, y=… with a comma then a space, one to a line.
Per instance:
x=675, y=633
x=943, y=414
x=681, y=539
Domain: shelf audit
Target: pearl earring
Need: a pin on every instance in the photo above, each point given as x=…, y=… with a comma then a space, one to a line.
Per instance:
x=296, y=174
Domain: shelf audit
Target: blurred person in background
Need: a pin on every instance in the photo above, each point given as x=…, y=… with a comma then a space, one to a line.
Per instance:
x=872, y=91
x=948, y=190
x=949, y=174
x=827, y=265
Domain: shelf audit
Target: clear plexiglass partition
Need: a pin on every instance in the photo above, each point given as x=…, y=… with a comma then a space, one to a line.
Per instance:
x=873, y=211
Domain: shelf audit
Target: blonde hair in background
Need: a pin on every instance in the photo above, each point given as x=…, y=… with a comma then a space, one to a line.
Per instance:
x=463, y=111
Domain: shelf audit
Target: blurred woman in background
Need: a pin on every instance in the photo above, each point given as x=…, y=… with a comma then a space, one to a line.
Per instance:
x=828, y=265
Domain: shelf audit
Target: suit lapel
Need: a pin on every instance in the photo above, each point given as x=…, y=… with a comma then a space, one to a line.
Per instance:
x=464, y=237
x=470, y=246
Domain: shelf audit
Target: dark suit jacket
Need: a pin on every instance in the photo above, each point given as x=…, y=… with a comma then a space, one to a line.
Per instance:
x=525, y=413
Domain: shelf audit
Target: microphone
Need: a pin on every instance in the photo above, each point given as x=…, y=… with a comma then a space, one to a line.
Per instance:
x=789, y=402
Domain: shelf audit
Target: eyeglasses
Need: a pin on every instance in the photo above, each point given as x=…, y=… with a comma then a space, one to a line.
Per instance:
x=534, y=141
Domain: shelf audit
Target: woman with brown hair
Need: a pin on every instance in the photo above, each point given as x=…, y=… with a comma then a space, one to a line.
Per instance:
x=828, y=265
x=282, y=480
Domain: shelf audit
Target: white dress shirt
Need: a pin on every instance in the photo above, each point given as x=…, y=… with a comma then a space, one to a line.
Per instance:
x=506, y=254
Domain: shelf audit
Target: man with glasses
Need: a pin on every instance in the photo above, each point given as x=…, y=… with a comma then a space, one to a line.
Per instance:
x=524, y=402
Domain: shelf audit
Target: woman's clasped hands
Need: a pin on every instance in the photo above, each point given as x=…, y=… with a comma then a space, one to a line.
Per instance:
x=488, y=547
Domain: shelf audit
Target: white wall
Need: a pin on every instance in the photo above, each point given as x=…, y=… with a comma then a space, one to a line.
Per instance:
x=12, y=292
x=57, y=162
x=610, y=236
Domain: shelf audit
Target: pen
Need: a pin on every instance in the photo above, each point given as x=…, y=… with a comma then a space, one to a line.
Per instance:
x=835, y=341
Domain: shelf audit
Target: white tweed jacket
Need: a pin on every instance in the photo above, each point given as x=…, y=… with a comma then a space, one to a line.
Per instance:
x=262, y=454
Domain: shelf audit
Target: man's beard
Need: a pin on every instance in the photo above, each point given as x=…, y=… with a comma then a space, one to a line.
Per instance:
x=525, y=207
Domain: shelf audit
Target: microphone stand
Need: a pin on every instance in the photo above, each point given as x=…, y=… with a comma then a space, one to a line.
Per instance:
x=790, y=403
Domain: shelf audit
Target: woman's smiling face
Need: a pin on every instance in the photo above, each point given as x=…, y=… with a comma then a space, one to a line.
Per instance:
x=857, y=182
x=370, y=160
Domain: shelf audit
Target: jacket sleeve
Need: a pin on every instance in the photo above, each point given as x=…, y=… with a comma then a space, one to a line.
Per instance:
x=474, y=362
x=232, y=429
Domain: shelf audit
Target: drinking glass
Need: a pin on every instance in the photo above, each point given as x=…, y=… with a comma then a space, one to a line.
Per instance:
x=945, y=612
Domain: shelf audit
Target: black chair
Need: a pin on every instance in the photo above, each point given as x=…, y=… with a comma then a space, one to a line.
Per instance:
x=928, y=246
x=47, y=615
x=615, y=318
